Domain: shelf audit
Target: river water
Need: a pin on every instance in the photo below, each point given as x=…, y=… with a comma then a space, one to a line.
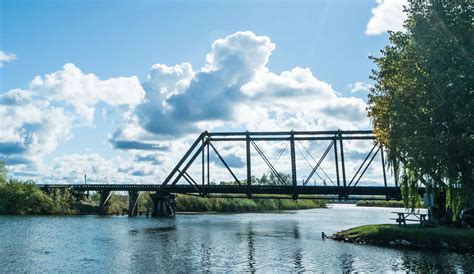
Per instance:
x=287, y=241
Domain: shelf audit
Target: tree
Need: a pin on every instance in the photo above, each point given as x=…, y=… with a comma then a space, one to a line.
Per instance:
x=3, y=173
x=422, y=102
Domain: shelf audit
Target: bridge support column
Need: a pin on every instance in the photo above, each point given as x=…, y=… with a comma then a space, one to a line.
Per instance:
x=163, y=204
x=104, y=197
x=133, y=202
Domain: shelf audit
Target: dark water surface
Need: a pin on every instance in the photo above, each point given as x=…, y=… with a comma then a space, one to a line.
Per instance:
x=289, y=241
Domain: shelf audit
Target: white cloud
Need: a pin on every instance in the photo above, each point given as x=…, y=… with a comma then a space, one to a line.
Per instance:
x=84, y=91
x=6, y=57
x=37, y=119
x=31, y=127
x=71, y=169
x=359, y=87
x=387, y=15
x=208, y=95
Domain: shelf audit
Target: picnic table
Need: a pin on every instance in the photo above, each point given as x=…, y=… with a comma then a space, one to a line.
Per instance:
x=403, y=217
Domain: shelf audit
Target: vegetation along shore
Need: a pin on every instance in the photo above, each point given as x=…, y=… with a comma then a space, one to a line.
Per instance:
x=412, y=236
x=25, y=198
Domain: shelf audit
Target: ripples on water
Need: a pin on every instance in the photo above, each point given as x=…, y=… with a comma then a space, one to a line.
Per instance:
x=289, y=241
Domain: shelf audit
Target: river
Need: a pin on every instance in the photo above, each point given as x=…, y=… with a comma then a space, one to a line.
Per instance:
x=287, y=241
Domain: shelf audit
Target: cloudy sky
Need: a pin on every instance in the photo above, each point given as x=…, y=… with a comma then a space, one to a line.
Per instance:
x=118, y=90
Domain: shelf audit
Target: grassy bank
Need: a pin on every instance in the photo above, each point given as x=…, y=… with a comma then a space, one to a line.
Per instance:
x=412, y=236
x=380, y=203
x=186, y=203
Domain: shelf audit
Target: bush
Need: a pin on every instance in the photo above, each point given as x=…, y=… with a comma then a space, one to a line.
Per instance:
x=24, y=198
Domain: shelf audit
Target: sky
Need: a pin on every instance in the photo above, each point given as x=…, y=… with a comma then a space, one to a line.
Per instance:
x=118, y=90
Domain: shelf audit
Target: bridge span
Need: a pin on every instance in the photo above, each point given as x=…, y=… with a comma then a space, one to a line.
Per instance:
x=181, y=181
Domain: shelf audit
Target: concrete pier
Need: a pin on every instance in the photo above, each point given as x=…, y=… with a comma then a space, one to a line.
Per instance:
x=133, y=202
x=104, y=197
x=163, y=204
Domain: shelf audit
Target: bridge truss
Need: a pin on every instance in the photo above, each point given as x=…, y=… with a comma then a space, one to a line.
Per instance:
x=344, y=186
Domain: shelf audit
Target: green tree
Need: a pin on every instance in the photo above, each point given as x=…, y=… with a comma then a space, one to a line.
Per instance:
x=3, y=173
x=422, y=101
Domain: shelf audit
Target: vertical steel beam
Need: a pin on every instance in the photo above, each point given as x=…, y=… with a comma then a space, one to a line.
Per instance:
x=293, y=159
x=249, y=169
x=203, y=164
x=208, y=168
x=336, y=160
x=342, y=160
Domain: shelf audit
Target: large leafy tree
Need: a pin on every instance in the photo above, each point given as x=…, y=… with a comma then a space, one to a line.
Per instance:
x=423, y=99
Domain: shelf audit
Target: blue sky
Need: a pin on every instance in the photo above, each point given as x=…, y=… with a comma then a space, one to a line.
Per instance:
x=122, y=40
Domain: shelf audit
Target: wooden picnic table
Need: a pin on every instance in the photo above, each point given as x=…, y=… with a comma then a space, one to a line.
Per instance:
x=403, y=217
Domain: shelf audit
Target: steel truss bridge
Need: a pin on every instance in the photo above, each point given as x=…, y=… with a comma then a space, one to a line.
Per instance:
x=345, y=186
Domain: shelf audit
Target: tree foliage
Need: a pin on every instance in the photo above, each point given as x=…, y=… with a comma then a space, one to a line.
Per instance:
x=25, y=198
x=422, y=101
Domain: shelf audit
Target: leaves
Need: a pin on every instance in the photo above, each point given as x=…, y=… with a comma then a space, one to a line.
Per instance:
x=422, y=101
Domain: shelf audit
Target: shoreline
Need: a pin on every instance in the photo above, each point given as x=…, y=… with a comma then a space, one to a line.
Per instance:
x=410, y=237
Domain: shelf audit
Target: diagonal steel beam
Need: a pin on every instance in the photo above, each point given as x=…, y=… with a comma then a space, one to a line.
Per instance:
x=190, y=180
x=186, y=155
x=268, y=162
x=225, y=164
x=371, y=159
x=363, y=163
x=319, y=163
x=190, y=162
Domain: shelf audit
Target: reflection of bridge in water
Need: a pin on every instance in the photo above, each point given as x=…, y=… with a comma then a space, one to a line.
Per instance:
x=181, y=181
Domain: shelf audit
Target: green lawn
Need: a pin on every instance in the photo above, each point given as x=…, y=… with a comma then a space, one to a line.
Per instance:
x=430, y=237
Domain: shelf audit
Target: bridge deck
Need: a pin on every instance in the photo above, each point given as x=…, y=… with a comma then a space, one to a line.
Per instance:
x=393, y=192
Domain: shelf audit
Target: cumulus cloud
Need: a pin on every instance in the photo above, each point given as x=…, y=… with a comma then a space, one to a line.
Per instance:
x=71, y=168
x=387, y=15
x=136, y=145
x=359, y=87
x=6, y=57
x=31, y=127
x=35, y=120
x=84, y=91
x=207, y=95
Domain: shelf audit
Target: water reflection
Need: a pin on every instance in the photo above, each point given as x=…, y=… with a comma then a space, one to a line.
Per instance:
x=346, y=262
x=250, y=248
x=286, y=242
x=298, y=260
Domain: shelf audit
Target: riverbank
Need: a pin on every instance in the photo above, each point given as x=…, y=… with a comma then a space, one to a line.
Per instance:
x=192, y=204
x=412, y=236
x=377, y=203
x=186, y=203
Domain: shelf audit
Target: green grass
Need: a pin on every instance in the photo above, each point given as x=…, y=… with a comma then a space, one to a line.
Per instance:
x=380, y=203
x=187, y=203
x=413, y=233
